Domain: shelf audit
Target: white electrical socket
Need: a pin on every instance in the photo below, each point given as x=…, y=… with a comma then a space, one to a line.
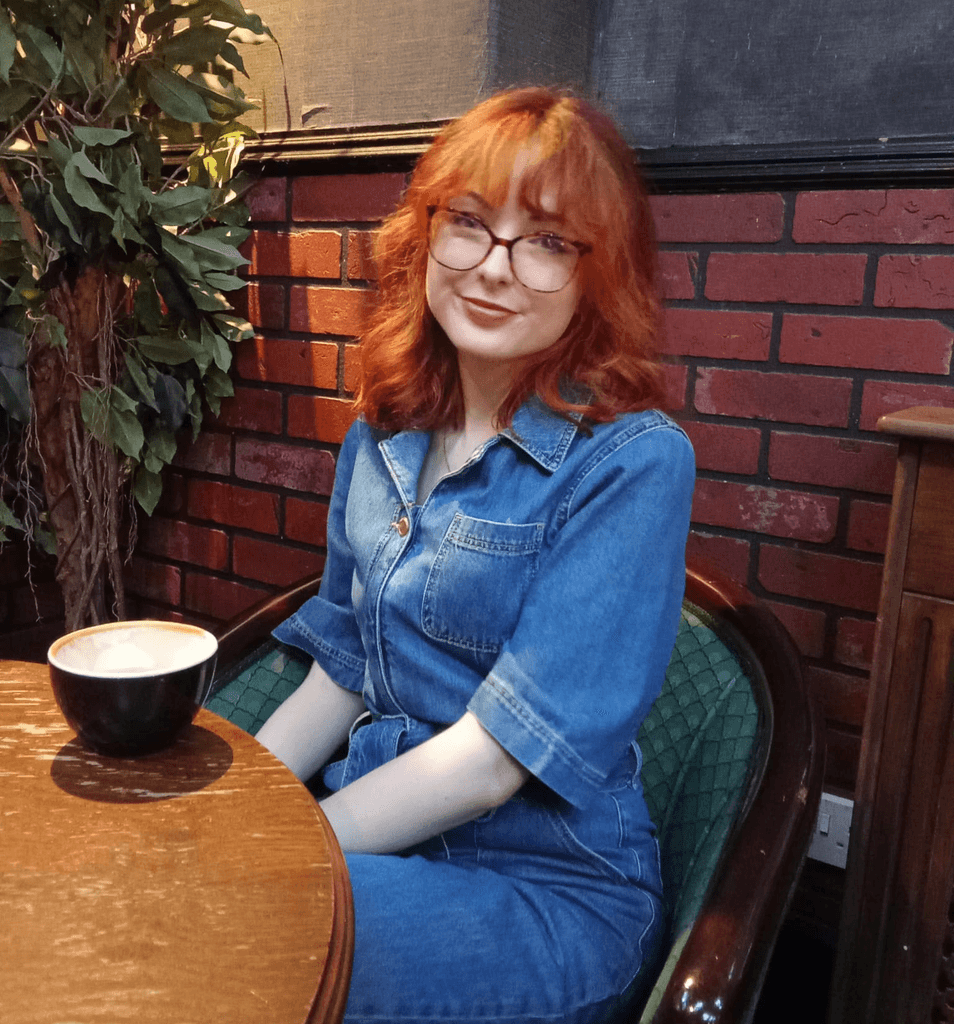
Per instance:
x=832, y=829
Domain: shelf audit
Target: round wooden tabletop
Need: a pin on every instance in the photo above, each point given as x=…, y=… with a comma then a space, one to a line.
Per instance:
x=196, y=886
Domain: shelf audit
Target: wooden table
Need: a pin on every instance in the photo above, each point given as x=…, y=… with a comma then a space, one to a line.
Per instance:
x=197, y=886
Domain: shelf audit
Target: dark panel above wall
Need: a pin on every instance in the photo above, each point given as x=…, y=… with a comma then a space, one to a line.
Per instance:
x=716, y=94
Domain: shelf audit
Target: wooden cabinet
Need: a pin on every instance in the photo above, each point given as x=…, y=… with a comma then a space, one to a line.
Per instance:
x=895, y=961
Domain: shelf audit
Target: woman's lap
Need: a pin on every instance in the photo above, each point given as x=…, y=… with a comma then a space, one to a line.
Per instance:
x=458, y=942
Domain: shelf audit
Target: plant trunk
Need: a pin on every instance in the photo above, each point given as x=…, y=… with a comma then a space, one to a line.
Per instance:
x=84, y=481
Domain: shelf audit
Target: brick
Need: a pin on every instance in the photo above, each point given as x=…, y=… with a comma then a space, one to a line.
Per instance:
x=716, y=334
x=294, y=254
x=281, y=361
x=185, y=542
x=298, y=468
x=854, y=642
x=267, y=200
x=210, y=452
x=273, y=563
x=306, y=521
x=349, y=197
x=723, y=448
x=352, y=368
x=806, y=626
x=155, y=581
x=263, y=305
x=883, y=396
x=781, y=397
x=228, y=505
x=819, y=576
x=842, y=751
x=219, y=599
x=892, y=217
x=318, y=310
x=677, y=274
x=792, y=514
x=868, y=526
x=360, y=256
x=319, y=419
x=832, y=461
x=675, y=382
x=810, y=278
x=253, y=409
x=728, y=555
x=840, y=695
x=872, y=343
x=757, y=217
x=916, y=282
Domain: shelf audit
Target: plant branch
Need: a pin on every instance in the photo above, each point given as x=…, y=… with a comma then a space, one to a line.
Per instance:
x=28, y=226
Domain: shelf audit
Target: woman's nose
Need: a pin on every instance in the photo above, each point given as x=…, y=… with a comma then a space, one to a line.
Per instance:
x=496, y=264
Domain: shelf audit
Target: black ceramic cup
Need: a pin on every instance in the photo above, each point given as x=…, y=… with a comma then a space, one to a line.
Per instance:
x=130, y=688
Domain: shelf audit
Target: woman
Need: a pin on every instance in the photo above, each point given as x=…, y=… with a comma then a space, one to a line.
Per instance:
x=502, y=589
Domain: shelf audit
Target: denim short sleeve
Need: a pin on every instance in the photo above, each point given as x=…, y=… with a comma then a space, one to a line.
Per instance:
x=571, y=686
x=325, y=626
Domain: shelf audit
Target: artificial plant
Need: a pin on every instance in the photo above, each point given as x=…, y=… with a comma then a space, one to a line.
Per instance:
x=116, y=329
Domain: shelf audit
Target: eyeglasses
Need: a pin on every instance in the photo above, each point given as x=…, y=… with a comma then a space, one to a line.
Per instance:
x=461, y=241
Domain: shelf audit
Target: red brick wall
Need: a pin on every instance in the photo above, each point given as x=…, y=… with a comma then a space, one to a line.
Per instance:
x=795, y=320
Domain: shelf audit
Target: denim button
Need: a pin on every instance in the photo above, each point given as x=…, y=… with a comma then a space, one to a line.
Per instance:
x=402, y=526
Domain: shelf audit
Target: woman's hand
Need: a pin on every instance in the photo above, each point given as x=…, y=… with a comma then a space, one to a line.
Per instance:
x=308, y=727
x=448, y=780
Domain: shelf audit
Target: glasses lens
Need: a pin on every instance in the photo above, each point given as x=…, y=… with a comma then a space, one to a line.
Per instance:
x=544, y=263
x=457, y=241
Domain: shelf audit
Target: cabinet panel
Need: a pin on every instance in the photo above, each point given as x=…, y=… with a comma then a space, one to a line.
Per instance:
x=930, y=562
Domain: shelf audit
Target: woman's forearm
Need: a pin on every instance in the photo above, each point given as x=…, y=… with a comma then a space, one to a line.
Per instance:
x=308, y=727
x=450, y=779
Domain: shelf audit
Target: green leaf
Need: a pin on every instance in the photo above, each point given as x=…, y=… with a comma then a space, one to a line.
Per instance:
x=164, y=348
x=53, y=331
x=162, y=442
x=235, y=327
x=14, y=389
x=79, y=60
x=94, y=407
x=176, y=96
x=182, y=205
x=233, y=57
x=88, y=169
x=214, y=254
x=12, y=100
x=198, y=44
x=148, y=309
x=65, y=218
x=141, y=381
x=80, y=189
x=183, y=255
x=125, y=431
x=208, y=300
x=8, y=47
x=218, y=346
x=147, y=489
x=101, y=136
x=8, y=521
x=225, y=282
x=42, y=49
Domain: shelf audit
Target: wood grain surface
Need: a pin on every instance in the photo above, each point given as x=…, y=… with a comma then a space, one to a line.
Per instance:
x=196, y=886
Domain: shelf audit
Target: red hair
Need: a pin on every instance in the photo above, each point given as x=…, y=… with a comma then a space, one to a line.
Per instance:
x=608, y=352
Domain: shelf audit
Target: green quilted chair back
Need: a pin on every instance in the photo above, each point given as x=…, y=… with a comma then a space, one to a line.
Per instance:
x=258, y=684
x=704, y=745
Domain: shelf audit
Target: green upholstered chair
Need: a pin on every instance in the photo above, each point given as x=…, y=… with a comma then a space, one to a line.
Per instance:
x=732, y=771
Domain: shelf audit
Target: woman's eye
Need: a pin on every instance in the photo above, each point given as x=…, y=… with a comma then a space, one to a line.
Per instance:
x=460, y=219
x=553, y=244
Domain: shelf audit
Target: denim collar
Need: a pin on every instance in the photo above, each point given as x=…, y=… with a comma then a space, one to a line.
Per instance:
x=535, y=429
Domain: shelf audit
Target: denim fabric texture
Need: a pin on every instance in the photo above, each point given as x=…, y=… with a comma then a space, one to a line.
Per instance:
x=538, y=587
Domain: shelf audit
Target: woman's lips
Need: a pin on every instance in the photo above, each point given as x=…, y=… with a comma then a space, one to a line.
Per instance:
x=487, y=312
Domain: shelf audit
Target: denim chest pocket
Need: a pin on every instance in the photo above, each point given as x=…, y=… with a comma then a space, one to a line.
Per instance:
x=477, y=584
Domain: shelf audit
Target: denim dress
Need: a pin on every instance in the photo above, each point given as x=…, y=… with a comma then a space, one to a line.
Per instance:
x=538, y=587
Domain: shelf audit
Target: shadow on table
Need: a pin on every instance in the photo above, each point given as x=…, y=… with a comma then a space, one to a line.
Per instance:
x=194, y=761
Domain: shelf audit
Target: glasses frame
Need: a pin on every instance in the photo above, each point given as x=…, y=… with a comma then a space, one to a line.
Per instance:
x=582, y=248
